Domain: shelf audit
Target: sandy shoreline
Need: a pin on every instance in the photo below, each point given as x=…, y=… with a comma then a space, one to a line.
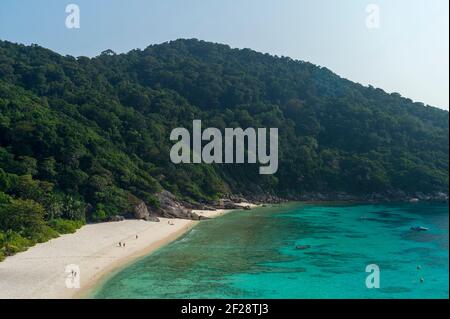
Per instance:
x=40, y=272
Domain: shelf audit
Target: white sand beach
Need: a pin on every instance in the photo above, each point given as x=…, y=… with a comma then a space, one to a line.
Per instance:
x=40, y=272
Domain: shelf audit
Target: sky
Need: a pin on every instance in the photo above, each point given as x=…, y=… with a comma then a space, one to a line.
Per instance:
x=400, y=46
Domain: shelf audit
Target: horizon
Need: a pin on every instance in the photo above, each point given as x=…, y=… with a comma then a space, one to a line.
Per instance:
x=399, y=46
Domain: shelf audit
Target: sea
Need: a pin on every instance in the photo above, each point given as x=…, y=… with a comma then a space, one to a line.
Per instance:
x=299, y=251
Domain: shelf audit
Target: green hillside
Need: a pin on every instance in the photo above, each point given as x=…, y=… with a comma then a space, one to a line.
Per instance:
x=79, y=131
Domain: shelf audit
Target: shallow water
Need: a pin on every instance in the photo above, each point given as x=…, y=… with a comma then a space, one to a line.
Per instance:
x=252, y=254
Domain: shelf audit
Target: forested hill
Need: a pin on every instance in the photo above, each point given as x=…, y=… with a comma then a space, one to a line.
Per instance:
x=78, y=131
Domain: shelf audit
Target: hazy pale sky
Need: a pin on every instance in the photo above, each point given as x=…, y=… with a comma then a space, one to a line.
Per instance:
x=408, y=53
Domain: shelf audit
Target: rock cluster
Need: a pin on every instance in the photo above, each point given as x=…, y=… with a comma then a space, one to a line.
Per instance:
x=116, y=218
x=141, y=212
x=170, y=207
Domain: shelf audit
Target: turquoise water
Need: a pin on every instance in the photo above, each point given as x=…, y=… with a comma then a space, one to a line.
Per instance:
x=252, y=254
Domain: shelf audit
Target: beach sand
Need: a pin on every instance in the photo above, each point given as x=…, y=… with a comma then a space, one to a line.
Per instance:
x=40, y=272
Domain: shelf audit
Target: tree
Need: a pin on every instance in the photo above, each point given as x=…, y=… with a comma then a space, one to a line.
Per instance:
x=23, y=216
